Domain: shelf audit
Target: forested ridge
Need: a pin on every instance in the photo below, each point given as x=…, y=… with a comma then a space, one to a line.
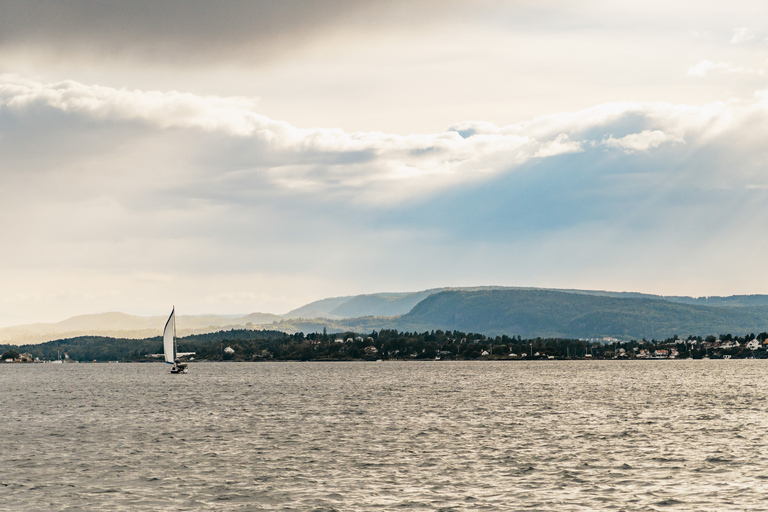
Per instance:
x=560, y=314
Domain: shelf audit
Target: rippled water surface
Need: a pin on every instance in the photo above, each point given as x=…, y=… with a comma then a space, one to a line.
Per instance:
x=544, y=435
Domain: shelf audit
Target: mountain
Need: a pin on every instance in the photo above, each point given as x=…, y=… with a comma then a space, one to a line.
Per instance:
x=318, y=309
x=376, y=304
x=528, y=312
x=551, y=313
x=380, y=304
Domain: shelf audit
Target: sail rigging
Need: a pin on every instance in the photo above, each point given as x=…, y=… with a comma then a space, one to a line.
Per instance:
x=169, y=338
x=169, y=345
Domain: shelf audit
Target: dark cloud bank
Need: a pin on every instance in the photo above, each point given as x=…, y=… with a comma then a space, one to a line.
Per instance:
x=196, y=30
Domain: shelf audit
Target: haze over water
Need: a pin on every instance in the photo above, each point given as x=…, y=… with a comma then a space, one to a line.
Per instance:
x=563, y=435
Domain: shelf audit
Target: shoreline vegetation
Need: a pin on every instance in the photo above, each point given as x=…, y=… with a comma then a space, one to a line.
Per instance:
x=386, y=344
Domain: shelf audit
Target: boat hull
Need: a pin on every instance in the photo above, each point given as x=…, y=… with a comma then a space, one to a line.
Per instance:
x=179, y=368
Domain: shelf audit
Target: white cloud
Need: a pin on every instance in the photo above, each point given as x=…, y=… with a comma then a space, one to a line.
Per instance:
x=643, y=141
x=166, y=109
x=743, y=35
x=442, y=158
x=705, y=66
x=562, y=145
x=374, y=167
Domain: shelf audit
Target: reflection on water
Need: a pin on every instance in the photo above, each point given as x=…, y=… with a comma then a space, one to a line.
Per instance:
x=544, y=435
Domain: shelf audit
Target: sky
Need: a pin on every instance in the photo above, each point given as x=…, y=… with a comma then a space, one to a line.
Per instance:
x=245, y=156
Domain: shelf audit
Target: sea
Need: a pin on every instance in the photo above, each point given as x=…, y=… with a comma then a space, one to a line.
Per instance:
x=392, y=436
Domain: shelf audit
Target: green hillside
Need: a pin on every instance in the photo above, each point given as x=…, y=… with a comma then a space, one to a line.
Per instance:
x=550, y=313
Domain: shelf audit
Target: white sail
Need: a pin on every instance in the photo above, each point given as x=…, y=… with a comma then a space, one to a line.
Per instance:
x=168, y=337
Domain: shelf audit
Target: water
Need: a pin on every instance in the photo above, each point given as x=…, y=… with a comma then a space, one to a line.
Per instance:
x=463, y=436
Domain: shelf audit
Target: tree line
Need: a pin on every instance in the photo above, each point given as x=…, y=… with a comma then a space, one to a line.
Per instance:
x=253, y=345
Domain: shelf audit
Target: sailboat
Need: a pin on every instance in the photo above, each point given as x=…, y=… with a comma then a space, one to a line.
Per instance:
x=169, y=344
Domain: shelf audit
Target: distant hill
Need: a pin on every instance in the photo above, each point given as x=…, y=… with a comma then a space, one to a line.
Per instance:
x=121, y=325
x=257, y=318
x=376, y=304
x=380, y=304
x=528, y=312
x=532, y=312
x=319, y=308
x=550, y=313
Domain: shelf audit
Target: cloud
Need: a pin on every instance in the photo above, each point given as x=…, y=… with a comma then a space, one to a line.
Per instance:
x=195, y=31
x=351, y=160
x=367, y=166
x=743, y=35
x=562, y=145
x=643, y=141
x=112, y=192
x=374, y=167
x=705, y=66
x=166, y=109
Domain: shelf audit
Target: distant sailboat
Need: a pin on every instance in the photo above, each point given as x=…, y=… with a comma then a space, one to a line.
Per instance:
x=169, y=345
